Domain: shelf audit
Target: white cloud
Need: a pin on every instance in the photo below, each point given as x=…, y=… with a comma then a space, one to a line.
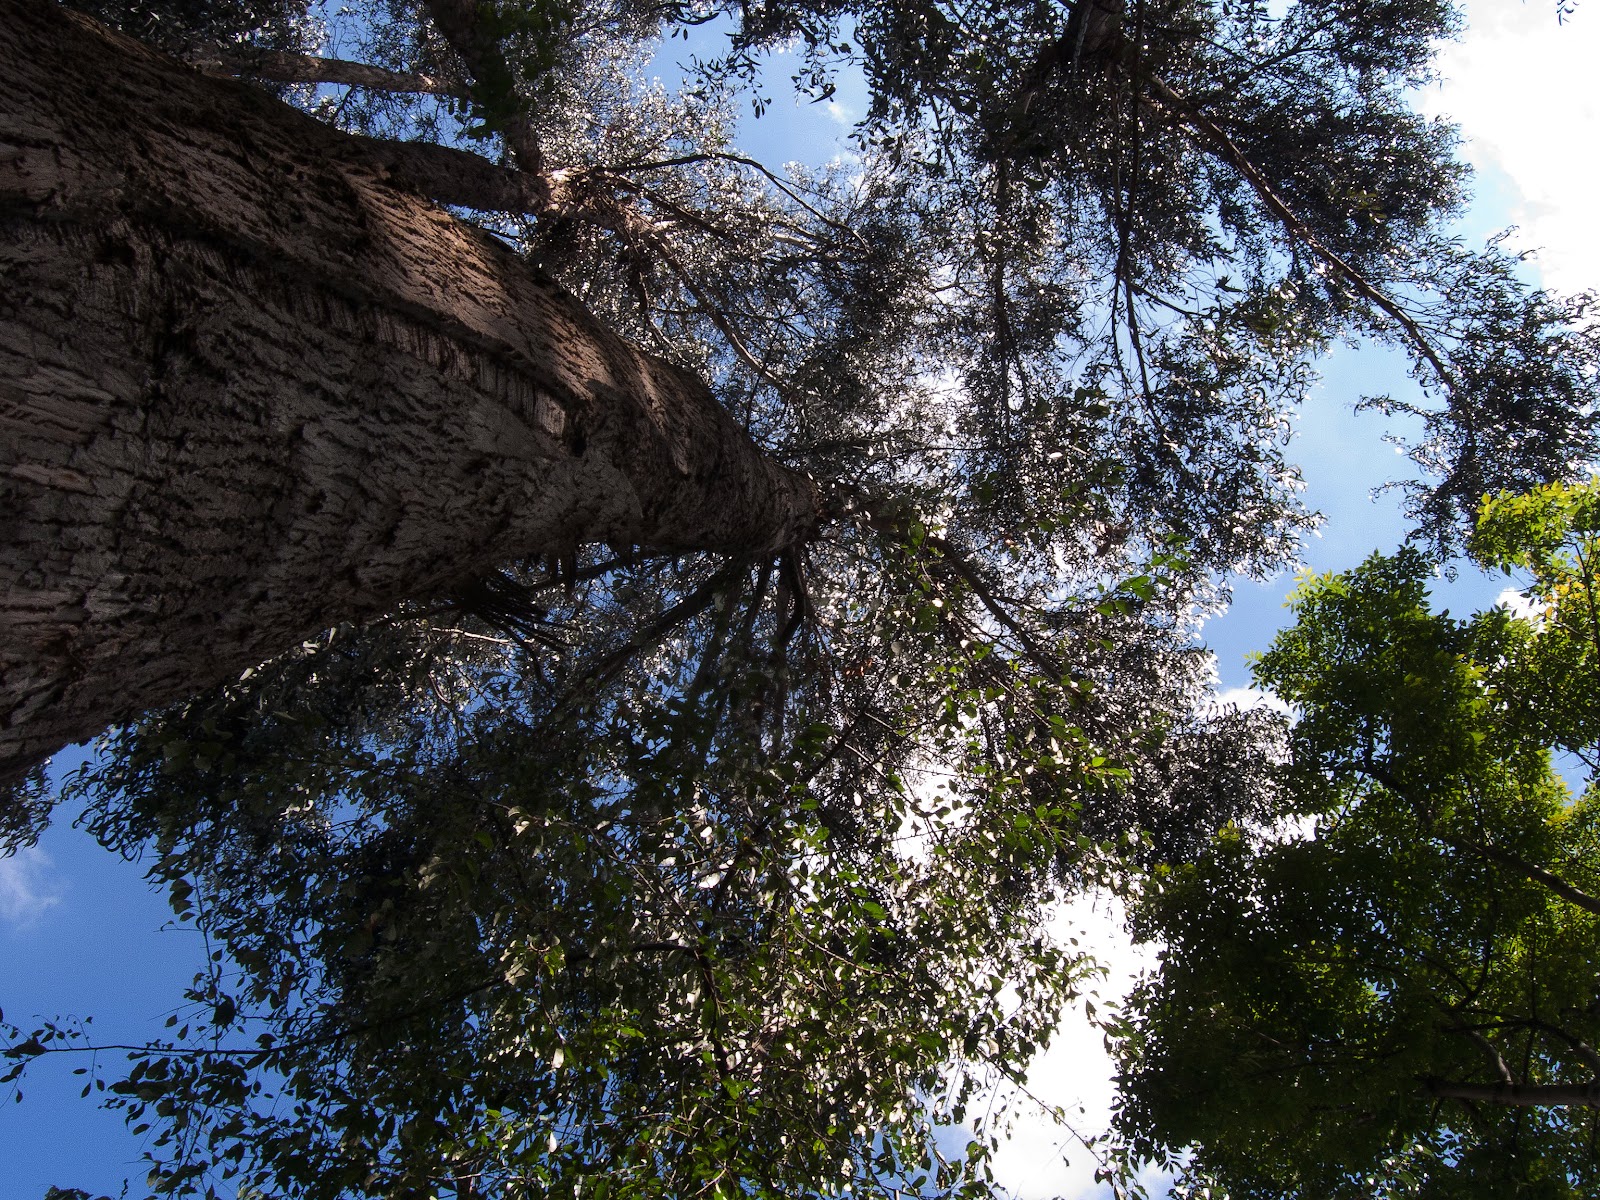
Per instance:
x=27, y=887
x=1247, y=698
x=1522, y=88
x=1519, y=604
x=1042, y=1159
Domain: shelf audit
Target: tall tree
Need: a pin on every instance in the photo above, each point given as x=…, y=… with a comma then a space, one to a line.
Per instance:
x=292, y=381
x=1396, y=995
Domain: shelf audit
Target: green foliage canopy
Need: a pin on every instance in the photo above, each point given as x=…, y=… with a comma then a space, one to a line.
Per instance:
x=1394, y=990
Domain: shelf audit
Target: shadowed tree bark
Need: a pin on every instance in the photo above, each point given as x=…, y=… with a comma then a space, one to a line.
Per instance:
x=249, y=388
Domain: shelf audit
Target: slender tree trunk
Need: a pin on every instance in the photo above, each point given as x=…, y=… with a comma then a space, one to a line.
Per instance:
x=249, y=390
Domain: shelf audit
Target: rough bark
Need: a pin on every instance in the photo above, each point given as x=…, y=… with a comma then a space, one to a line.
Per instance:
x=249, y=390
x=449, y=175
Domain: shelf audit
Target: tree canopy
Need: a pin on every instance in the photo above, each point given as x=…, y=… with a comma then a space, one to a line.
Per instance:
x=1395, y=993
x=722, y=873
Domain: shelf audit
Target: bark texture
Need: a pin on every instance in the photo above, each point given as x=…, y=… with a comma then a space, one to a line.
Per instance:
x=249, y=389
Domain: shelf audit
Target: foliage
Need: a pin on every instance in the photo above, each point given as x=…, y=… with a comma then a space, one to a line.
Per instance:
x=25, y=808
x=510, y=973
x=521, y=934
x=1395, y=993
x=175, y=24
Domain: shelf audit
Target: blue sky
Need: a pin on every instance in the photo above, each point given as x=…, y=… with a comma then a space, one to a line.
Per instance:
x=80, y=933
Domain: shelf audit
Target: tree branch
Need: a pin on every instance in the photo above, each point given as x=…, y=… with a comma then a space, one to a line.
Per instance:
x=1041, y=657
x=1531, y=871
x=449, y=175
x=1476, y=1036
x=281, y=67
x=684, y=610
x=1228, y=150
x=1519, y=1095
x=950, y=557
x=493, y=82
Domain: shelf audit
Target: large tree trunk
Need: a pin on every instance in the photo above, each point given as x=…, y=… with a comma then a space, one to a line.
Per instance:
x=248, y=391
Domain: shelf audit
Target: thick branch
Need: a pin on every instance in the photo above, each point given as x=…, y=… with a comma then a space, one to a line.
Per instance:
x=1042, y=658
x=1528, y=870
x=652, y=633
x=449, y=175
x=280, y=67
x=1531, y=871
x=460, y=23
x=957, y=564
x=1501, y=1069
x=1519, y=1095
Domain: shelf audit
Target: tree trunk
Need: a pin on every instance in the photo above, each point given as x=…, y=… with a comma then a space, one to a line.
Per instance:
x=249, y=390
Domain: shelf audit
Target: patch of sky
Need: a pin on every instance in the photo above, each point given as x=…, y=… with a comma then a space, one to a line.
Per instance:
x=790, y=126
x=77, y=938
x=28, y=888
